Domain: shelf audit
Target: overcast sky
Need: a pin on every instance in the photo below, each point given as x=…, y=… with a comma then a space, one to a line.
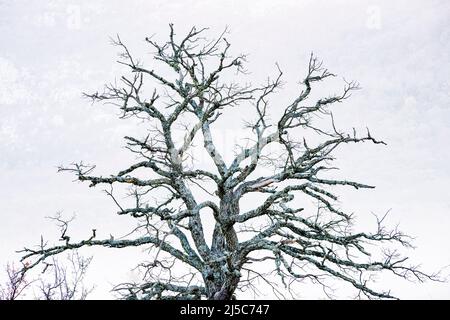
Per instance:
x=52, y=51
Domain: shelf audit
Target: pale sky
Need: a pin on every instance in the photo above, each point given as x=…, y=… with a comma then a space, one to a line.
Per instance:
x=52, y=51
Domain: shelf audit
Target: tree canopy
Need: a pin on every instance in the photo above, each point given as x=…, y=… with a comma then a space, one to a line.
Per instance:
x=279, y=241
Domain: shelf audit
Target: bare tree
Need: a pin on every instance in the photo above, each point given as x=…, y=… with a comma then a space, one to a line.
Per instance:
x=57, y=281
x=298, y=243
x=15, y=283
x=64, y=281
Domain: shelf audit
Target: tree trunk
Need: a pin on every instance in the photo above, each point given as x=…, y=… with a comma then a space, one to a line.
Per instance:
x=222, y=279
x=223, y=287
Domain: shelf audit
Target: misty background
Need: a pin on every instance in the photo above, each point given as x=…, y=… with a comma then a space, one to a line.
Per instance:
x=52, y=51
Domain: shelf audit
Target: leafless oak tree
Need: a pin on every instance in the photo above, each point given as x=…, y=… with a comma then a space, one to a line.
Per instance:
x=298, y=244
